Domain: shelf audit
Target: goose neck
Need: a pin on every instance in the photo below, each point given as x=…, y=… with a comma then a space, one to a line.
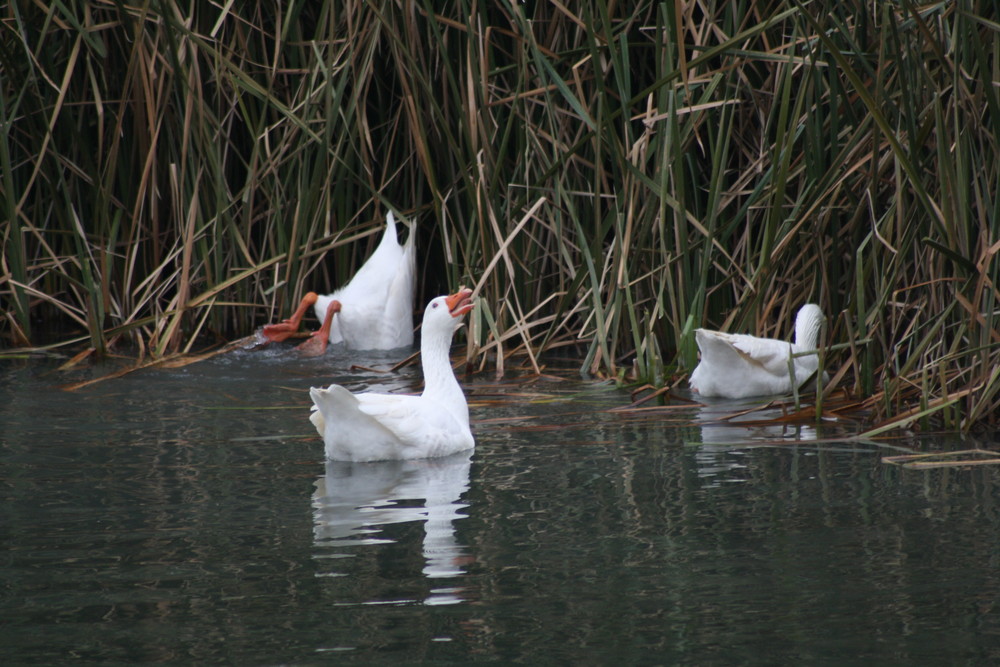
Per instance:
x=439, y=378
x=807, y=326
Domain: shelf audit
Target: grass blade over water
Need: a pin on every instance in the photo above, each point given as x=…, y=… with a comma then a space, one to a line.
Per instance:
x=610, y=175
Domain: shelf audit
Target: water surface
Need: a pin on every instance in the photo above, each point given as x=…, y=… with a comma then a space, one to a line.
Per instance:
x=188, y=516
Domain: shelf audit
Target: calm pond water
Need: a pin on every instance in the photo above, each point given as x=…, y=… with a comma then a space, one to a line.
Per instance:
x=187, y=516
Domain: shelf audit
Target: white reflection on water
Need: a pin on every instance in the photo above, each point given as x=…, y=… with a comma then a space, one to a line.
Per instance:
x=724, y=439
x=719, y=426
x=353, y=501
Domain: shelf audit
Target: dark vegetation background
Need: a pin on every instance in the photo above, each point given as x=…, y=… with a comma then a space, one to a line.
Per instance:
x=610, y=175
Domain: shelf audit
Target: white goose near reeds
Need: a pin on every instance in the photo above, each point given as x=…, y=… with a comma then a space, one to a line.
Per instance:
x=378, y=427
x=740, y=366
x=374, y=310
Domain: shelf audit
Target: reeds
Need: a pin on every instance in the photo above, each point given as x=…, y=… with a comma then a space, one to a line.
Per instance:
x=611, y=176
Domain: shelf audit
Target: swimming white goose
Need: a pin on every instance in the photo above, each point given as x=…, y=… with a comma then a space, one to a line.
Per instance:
x=377, y=427
x=739, y=366
x=375, y=309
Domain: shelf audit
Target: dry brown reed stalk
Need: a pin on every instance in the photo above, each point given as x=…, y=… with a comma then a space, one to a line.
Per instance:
x=957, y=459
x=610, y=176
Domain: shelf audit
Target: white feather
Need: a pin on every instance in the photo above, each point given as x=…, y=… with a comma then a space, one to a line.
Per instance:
x=740, y=366
x=377, y=304
x=375, y=427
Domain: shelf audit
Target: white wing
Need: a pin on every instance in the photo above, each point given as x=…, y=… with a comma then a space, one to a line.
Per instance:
x=376, y=427
x=338, y=409
x=769, y=354
x=417, y=422
x=378, y=271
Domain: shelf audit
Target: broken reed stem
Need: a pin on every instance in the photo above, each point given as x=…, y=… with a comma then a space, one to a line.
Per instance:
x=656, y=170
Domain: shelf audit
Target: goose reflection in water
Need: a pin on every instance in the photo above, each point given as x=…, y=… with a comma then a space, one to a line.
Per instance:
x=353, y=501
x=725, y=440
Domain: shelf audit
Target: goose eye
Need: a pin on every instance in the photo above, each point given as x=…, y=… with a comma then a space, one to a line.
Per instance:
x=434, y=305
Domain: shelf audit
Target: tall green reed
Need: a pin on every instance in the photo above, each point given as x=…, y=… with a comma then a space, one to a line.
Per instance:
x=610, y=175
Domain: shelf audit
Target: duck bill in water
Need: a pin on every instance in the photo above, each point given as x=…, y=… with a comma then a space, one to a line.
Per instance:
x=315, y=346
x=276, y=333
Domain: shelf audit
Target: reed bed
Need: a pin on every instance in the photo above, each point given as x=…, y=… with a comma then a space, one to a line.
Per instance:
x=609, y=175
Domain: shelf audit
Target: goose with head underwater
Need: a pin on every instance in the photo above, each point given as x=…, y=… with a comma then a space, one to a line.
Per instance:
x=374, y=309
x=375, y=427
x=741, y=366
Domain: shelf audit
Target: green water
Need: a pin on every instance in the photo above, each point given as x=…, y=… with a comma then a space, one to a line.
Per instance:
x=187, y=517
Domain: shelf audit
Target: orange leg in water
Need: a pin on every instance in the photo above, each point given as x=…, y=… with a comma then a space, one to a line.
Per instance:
x=315, y=346
x=287, y=328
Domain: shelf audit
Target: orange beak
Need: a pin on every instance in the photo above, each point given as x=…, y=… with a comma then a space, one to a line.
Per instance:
x=460, y=302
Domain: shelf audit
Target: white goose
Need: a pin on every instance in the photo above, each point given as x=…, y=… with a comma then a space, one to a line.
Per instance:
x=375, y=308
x=377, y=427
x=740, y=366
